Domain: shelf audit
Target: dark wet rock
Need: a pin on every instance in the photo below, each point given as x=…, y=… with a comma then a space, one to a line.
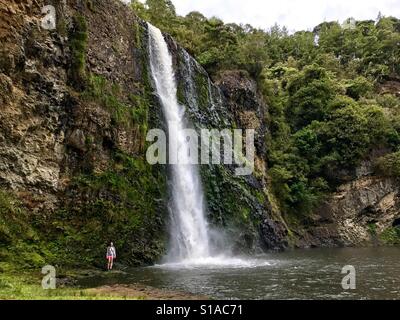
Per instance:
x=273, y=235
x=245, y=103
x=77, y=140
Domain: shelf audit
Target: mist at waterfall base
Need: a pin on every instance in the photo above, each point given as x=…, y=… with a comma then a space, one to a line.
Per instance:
x=191, y=239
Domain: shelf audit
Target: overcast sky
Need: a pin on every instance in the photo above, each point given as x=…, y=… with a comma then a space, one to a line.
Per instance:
x=294, y=14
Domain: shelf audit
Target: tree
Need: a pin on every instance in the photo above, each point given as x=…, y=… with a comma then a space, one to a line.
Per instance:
x=309, y=95
x=358, y=87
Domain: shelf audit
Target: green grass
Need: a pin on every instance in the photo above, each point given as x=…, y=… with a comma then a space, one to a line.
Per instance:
x=27, y=286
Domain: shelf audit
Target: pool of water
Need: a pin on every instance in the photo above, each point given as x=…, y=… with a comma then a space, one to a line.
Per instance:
x=297, y=274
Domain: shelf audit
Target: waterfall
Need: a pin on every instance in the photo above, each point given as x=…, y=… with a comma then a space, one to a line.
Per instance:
x=191, y=90
x=189, y=231
x=189, y=239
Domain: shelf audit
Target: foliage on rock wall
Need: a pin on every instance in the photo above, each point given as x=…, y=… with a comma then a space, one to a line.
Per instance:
x=78, y=37
x=390, y=164
x=131, y=114
x=390, y=236
x=123, y=204
x=120, y=199
x=234, y=206
x=20, y=244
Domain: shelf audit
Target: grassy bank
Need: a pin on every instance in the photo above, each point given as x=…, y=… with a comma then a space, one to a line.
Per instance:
x=27, y=286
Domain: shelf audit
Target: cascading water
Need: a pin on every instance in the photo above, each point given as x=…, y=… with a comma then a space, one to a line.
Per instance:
x=189, y=231
x=192, y=96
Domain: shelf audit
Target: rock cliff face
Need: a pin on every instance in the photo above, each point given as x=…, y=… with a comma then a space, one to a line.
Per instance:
x=358, y=213
x=76, y=103
x=363, y=203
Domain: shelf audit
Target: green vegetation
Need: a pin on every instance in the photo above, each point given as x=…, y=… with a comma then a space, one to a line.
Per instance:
x=132, y=114
x=123, y=204
x=326, y=112
x=19, y=242
x=391, y=236
x=370, y=49
x=27, y=286
x=390, y=164
x=78, y=44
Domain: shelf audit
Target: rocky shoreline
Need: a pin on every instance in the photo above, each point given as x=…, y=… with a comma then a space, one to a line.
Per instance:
x=76, y=279
x=138, y=291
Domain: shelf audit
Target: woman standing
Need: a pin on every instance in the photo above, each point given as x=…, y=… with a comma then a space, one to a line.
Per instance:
x=111, y=255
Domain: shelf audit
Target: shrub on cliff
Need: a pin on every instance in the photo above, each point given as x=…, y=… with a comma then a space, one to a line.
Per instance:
x=389, y=164
x=20, y=245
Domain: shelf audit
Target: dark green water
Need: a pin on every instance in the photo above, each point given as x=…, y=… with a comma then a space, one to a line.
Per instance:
x=298, y=274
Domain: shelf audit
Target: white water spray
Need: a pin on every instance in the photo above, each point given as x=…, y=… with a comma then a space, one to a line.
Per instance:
x=189, y=233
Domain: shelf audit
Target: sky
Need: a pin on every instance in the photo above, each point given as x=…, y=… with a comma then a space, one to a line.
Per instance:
x=295, y=15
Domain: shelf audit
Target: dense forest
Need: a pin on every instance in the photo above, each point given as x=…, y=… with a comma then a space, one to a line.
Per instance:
x=325, y=88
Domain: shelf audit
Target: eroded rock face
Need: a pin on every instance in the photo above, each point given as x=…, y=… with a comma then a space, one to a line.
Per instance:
x=43, y=124
x=346, y=219
x=51, y=134
x=365, y=201
x=245, y=103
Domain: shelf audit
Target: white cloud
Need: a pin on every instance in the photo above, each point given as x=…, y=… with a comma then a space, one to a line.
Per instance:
x=296, y=15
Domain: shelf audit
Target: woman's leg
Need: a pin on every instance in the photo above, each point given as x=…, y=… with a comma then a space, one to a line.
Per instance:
x=111, y=263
